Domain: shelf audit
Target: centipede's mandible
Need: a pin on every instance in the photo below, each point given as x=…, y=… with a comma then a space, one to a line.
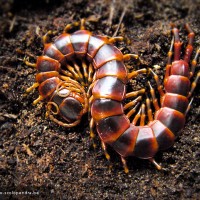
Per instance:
x=82, y=72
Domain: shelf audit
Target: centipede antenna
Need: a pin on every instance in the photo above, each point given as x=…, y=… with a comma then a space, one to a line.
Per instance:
x=67, y=125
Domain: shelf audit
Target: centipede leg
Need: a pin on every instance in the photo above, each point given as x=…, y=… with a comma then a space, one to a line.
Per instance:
x=85, y=71
x=133, y=74
x=90, y=74
x=177, y=44
x=154, y=99
x=115, y=39
x=70, y=26
x=169, y=61
x=105, y=150
x=126, y=170
x=135, y=93
x=149, y=110
x=45, y=38
x=189, y=106
x=92, y=134
x=30, y=64
x=130, y=56
x=40, y=98
x=155, y=163
x=143, y=115
x=133, y=110
x=159, y=86
x=189, y=47
x=136, y=118
x=194, y=63
x=35, y=85
x=75, y=74
x=193, y=85
x=77, y=68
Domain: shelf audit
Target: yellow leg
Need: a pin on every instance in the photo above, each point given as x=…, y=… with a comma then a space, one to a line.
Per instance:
x=194, y=62
x=193, y=85
x=129, y=56
x=149, y=110
x=115, y=39
x=90, y=74
x=70, y=26
x=143, y=115
x=154, y=99
x=132, y=111
x=82, y=27
x=105, y=151
x=135, y=93
x=126, y=170
x=136, y=73
x=35, y=85
x=30, y=64
x=40, y=98
x=92, y=134
x=136, y=118
x=159, y=86
x=155, y=163
x=45, y=38
x=132, y=103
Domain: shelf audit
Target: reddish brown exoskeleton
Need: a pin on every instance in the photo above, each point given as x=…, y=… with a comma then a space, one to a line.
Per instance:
x=62, y=83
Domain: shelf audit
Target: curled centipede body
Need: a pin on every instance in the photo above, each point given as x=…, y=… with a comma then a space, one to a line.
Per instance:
x=107, y=90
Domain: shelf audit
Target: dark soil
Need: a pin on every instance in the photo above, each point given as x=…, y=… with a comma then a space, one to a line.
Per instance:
x=53, y=162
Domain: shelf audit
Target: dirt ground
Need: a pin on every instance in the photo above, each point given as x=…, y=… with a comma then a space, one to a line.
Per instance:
x=45, y=161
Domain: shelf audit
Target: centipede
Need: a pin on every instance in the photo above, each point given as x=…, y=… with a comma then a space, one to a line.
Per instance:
x=81, y=72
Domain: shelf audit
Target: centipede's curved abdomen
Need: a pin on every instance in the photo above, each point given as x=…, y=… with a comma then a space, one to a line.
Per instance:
x=107, y=90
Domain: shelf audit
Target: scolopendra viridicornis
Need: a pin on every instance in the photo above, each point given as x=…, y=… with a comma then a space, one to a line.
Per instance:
x=82, y=60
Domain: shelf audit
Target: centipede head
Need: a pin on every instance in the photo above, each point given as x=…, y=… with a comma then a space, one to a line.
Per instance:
x=67, y=104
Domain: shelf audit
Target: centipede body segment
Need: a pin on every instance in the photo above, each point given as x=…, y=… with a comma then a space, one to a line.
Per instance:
x=82, y=72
